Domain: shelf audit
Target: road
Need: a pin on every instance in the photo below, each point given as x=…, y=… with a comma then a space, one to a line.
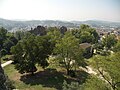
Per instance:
x=6, y=63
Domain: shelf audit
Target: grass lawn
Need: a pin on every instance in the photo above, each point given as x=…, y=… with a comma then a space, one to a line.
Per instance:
x=20, y=82
x=49, y=79
x=2, y=61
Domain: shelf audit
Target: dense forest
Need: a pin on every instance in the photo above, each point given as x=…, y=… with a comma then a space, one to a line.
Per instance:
x=59, y=58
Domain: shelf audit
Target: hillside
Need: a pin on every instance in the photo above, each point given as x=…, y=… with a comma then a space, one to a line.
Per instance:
x=26, y=25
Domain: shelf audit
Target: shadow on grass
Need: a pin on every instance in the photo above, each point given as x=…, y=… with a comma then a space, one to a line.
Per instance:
x=82, y=76
x=48, y=78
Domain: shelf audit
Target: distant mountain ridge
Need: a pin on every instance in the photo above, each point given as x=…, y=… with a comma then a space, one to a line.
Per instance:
x=12, y=24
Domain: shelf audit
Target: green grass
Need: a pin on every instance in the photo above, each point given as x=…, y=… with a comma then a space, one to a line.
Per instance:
x=5, y=58
x=50, y=79
x=2, y=61
x=21, y=83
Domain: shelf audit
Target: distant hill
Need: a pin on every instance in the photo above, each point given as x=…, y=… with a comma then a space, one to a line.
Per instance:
x=10, y=24
x=98, y=23
x=26, y=25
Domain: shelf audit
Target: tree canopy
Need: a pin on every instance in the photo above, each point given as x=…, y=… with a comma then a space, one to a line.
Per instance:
x=31, y=51
x=69, y=50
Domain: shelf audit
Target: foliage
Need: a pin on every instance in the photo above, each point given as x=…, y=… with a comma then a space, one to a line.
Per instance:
x=69, y=50
x=63, y=29
x=117, y=47
x=109, y=67
x=19, y=35
x=94, y=83
x=45, y=49
x=24, y=55
x=86, y=37
x=54, y=35
x=7, y=40
x=30, y=51
x=109, y=41
x=39, y=30
x=3, y=33
x=86, y=34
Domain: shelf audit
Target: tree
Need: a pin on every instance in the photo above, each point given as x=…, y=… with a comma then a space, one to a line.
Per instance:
x=30, y=51
x=63, y=29
x=69, y=50
x=86, y=34
x=3, y=36
x=7, y=40
x=13, y=39
x=117, y=47
x=25, y=55
x=3, y=33
x=2, y=79
x=54, y=35
x=19, y=35
x=108, y=67
x=44, y=50
x=91, y=83
x=86, y=37
x=7, y=45
x=95, y=83
x=109, y=41
x=90, y=33
x=39, y=30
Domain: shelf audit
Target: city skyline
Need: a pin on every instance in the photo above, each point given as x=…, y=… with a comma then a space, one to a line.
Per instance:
x=68, y=10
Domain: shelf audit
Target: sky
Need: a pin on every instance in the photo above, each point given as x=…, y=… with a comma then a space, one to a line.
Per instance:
x=67, y=10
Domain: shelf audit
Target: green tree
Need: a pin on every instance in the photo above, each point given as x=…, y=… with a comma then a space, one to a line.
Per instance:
x=7, y=45
x=86, y=34
x=95, y=83
x=54, y=35
x=44, y=50
x=117, y=47
x=86, y=37
x=31, y=51
x=69, y=50
x=19, y=35
x=90, y=33
x=25, y=55
x=3, y=36
x=109, y=41
x=109, y=67
x=91, y=83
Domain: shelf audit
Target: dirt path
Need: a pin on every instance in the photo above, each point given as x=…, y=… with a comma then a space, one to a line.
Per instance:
x=6, y=63
x=89, y=70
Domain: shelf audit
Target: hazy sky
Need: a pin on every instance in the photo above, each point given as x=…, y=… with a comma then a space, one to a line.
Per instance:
x=60, y=9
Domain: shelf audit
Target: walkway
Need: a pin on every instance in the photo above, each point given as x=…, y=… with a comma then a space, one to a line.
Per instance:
x=6, y=63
